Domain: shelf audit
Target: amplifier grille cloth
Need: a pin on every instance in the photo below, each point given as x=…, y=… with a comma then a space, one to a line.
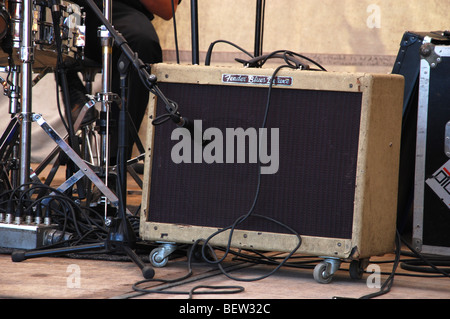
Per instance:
x=312, y=192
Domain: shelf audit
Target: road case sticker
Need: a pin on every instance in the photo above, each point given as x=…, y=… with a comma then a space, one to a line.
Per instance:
x=440, y=183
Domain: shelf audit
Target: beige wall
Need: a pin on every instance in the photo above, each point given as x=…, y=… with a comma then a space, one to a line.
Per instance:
x=354, y=35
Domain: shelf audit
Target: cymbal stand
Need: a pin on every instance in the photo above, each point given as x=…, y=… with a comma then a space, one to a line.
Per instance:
x=20, y=93
x=27, y=58
x=106, y=96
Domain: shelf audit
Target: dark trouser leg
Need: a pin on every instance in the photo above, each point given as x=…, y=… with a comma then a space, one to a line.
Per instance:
x=140, y=34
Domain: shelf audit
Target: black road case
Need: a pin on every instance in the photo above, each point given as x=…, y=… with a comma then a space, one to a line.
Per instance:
x=424, y=60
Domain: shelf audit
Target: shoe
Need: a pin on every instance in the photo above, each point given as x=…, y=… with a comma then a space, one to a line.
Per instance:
x=78, y=98
x=89, y=117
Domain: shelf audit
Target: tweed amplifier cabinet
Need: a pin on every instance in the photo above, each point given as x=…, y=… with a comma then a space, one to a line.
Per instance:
x=329, y=154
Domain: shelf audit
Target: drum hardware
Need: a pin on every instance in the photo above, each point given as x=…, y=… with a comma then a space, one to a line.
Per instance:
x=40, y=31
x=14, y=91
x=43, y=33
x=45, y=37
x=88, y=158
x=61, y=79
x=27, y=58
x=29, y=34
x=121, y=236
x=106, y=96
x=84, y=168
x=9, y=157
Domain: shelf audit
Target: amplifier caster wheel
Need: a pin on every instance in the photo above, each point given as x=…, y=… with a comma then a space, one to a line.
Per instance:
x=159, y=257
x=357, y=267
x=324, y=271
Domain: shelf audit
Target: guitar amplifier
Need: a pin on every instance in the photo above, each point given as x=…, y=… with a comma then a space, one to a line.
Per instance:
x=318, y=153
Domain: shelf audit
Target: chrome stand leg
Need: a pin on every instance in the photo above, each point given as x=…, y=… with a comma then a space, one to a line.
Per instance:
x=27, y=57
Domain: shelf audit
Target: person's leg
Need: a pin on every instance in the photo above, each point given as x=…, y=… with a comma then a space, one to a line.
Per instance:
x=140, y=34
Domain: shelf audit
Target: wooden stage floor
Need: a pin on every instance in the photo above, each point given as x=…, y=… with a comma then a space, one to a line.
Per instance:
x=108, y=277
x=55, y=278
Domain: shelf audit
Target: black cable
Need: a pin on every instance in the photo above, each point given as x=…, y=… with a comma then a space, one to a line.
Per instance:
x=179, y=281
x=289, y=53
x=260, y=258
x=410, y=265
x=83, y=222
x=387, y=285
x=422, y=261
x=211, y=46
x=261, y=60
x=421, y=266
x=161, y=119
